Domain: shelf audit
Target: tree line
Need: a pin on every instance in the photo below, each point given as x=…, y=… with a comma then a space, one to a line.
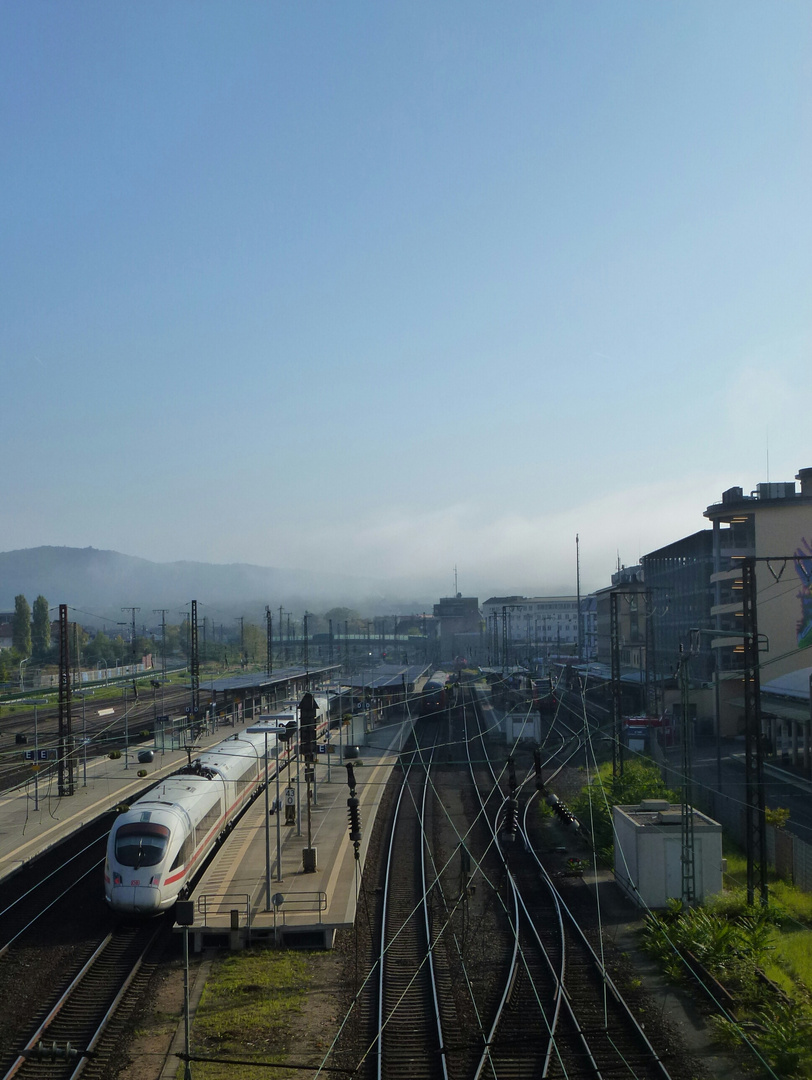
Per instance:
x=247, y=644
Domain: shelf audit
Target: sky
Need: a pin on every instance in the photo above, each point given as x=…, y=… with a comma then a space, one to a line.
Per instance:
x=389, y=289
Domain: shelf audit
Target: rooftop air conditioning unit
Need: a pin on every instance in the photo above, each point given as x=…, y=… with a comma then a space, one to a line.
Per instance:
x=776, y=491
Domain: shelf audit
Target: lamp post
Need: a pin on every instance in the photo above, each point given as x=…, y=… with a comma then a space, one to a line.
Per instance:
x=82, y=694
x=35, y=703
x=266, y=730
x=126, y=731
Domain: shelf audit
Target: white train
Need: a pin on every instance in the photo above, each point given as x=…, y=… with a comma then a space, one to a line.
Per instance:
x=158, y=844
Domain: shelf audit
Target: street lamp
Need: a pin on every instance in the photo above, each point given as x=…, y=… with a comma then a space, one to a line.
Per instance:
x=36, y=702
x=266, y=730
x=83, y=694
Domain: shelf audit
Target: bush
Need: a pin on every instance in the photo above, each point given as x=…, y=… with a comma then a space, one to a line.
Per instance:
x=593, y=806
x=114, y=755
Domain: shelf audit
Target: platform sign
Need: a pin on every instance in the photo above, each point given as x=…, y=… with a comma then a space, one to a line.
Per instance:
x=40, y=755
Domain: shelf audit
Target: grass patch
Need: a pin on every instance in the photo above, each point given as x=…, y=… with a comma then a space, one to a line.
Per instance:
x=246, y=1010
x=793, y=957
x=734, y=943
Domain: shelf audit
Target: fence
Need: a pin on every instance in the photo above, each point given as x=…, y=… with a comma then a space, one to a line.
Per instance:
x=787, y=854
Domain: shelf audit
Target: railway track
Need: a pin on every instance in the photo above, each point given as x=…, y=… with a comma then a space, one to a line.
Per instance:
x=70, y=1033
x=65, y=966
x=28, y=729
x=410, y=1032
x=576, y=1022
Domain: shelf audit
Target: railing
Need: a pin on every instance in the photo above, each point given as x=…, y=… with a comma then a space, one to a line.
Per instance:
x=304, y=902
x=210, y=904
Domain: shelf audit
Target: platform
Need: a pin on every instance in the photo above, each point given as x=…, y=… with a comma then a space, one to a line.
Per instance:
x=233, y=905
x=35, y=817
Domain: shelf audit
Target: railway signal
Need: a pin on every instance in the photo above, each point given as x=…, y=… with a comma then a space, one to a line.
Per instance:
x=510, y=825
x=354, y=811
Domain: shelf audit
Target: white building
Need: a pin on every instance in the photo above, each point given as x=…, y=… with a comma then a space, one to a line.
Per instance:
x=648, y=852
x=547, y=622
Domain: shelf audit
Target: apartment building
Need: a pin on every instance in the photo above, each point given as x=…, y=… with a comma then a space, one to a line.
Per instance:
x=773, y=525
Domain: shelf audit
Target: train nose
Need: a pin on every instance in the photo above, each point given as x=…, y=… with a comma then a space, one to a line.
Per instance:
x=135, y=899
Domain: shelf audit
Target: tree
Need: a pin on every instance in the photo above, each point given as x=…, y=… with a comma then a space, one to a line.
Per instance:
x=256, y=642
x=40, y=628
x=99, y=648
x=593, y=805
x=21, y=626
x=340, y=615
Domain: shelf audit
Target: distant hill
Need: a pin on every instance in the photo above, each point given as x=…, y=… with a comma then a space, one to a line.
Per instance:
x=102, y=582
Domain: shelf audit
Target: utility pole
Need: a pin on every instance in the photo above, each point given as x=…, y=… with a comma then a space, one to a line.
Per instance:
x=269, y=632
x=687, y=816
x=578, y=591
x=755, y=821
x=241, y=620
x=194, y=665
x=614, y=639
x=65, y=751
x=132, y=643
x=162, y=612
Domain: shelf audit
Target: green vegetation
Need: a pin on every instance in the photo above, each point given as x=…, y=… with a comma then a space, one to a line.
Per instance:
x=247, y=1009
x=21, y=626
x=593, y=805
x=40, y=628
x=762, y=956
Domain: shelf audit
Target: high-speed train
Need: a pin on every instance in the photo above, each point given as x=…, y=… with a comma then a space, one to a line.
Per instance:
x=158, y=844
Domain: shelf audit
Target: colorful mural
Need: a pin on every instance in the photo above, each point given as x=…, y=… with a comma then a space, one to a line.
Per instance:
x=803, y=568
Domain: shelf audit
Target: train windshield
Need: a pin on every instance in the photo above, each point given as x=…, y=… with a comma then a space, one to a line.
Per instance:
x=141, y=844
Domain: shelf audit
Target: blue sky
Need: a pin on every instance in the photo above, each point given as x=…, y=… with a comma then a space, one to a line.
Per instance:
x=382, y=289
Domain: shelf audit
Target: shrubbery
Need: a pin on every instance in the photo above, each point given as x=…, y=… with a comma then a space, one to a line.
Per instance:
x=593, y=805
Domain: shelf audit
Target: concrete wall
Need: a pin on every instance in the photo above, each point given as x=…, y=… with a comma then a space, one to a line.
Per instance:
x=784, y=606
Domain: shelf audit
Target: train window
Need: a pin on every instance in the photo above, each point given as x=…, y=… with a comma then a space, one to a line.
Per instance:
x=185, y=853
x=141, y=844
x=211, y=818
x=249, y=771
